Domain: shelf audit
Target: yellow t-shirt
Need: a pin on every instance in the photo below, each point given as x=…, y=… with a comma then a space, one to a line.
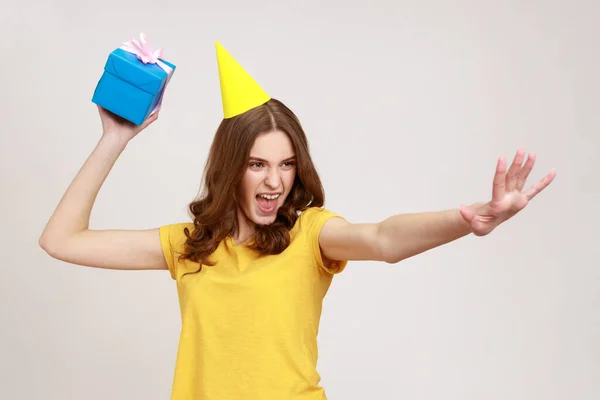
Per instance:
x=249, y=323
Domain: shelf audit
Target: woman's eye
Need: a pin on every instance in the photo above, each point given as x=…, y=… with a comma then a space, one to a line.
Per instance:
x=257, y=164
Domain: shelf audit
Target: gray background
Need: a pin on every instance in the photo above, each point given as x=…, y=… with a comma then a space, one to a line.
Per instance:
x=407, y=106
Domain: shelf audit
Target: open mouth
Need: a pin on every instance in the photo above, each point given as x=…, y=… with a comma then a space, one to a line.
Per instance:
x=267, y=203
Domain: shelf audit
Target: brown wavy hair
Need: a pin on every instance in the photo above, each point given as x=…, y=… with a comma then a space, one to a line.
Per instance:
x=214, y=212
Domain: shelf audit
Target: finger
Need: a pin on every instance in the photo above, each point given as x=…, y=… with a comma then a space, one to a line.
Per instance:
x=149, y=120
x=525, y=171
x=513, y=171
x=534, y=190
x=499, y=180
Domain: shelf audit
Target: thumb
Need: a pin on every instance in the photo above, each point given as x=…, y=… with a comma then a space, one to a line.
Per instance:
x=149, y=120
x=466, y=213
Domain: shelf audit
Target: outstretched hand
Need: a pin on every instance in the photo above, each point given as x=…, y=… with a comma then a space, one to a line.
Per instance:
x=508, y=197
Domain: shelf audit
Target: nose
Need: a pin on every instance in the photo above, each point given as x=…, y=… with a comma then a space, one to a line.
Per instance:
x=272, y=180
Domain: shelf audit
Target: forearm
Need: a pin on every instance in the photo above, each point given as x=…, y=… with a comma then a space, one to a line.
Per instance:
x=72, y=214
x=407, y=235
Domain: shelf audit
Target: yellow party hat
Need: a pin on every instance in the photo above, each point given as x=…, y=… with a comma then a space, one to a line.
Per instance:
x=239, y=91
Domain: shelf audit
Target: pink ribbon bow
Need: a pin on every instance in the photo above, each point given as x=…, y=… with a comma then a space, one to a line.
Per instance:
x=143, y=50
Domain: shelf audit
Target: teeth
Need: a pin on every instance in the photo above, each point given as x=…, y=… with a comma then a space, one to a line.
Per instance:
x=269, y=197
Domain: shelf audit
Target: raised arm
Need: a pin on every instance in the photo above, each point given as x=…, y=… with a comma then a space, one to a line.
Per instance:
x=406, y=235
x=67, y=236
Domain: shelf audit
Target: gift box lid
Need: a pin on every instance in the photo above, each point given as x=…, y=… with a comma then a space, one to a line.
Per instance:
x=148, y=77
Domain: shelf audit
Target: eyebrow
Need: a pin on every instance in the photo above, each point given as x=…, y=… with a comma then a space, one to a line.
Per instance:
x=265, y=161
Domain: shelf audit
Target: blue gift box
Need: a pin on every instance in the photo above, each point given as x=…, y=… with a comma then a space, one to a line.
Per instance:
x=130, y=88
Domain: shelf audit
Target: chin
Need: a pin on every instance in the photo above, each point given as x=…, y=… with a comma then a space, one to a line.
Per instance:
x=253, y=213
x=262, y=221
x=259, y=217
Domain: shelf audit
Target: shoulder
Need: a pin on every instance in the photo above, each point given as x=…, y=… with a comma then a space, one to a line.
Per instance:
x=314, y=223
x=316, y=217
x=172, y=241
x=174, y=234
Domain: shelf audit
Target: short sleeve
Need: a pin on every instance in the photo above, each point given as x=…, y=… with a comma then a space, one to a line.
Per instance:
x=172, y=241
x=313, y=221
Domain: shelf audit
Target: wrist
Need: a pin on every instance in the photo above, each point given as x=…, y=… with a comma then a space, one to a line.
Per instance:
x=113, y=141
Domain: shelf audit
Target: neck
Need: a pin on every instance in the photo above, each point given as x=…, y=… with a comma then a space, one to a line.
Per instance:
x=244, y=230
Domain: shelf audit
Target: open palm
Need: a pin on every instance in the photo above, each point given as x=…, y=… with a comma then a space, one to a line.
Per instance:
x=508, y=196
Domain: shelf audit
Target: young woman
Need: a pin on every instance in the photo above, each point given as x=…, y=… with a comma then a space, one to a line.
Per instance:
x=254, y=264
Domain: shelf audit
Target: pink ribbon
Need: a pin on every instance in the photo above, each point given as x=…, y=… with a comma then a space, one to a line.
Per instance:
x=143, y=50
